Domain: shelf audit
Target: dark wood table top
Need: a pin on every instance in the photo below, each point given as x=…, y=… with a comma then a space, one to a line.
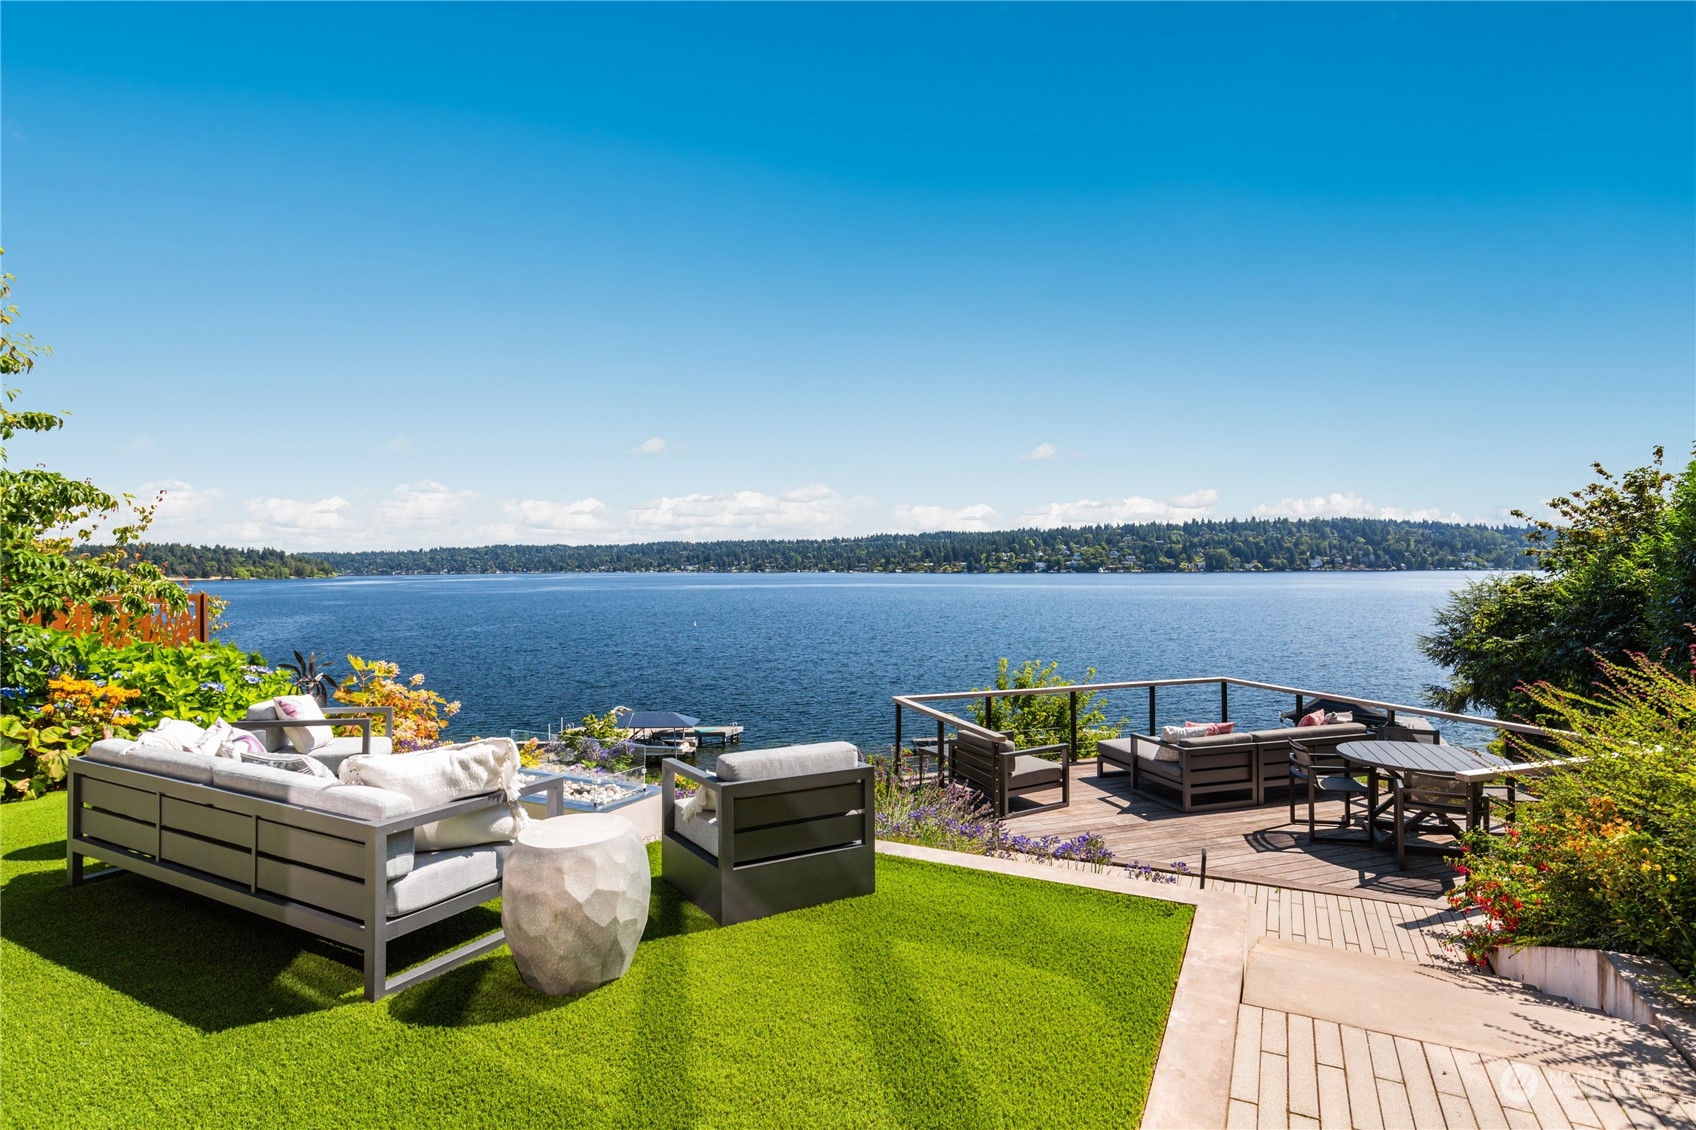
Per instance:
x=1418, y=757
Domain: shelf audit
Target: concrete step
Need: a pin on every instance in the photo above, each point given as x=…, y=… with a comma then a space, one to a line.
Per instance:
x=1475, y=1012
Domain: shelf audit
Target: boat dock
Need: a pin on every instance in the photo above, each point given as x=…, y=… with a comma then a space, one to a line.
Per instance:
x=718, y=735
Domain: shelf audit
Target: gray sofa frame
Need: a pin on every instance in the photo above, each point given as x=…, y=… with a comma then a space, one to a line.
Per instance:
x=783, y=842
x=317, y=871
x=1226, y=771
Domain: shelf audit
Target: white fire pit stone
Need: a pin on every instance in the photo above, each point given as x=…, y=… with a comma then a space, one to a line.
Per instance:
x=574, y=901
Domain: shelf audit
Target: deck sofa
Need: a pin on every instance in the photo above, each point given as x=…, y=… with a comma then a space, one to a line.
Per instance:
x=1235, y=770
x=336, y=860
x=770, y=830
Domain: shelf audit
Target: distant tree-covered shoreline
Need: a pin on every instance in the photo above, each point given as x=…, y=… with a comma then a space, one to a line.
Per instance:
x=1229, y=545
x=211, y=562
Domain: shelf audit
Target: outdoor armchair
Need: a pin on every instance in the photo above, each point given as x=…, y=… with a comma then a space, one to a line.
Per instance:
x=770, y=830
x=999, y=770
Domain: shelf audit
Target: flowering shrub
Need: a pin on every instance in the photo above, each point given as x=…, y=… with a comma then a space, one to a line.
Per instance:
x=34, y=749
x=953, y=817
x=1148, y=872
x=420, y=714
x=200, y=682
x=1605, y=856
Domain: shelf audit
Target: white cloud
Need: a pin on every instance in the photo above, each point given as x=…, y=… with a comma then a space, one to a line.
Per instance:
x=422, y=504
x=653, y=445
x=1041, y=451
x=398, y=443
x=811, y=511
x=1346, y=504
x=294, y=516
x=916, y=519
x=178, y=500
x=1114, y=511
x=536, y=515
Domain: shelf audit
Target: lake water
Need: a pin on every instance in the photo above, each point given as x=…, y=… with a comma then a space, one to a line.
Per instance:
x=814, y=657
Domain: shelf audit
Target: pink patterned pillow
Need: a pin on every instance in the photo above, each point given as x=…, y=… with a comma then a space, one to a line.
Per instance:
x=1213, y=729
x=305, y=739
x=1317, y=718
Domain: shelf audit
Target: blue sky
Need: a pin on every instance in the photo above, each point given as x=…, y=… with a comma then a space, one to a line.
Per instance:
x=387, y=276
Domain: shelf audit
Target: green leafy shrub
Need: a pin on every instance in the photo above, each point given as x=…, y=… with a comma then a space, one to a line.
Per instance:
x=1605, y=857
x=1037, y=720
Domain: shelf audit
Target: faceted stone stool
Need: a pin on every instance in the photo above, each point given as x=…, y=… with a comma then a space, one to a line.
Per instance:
x=574, y=901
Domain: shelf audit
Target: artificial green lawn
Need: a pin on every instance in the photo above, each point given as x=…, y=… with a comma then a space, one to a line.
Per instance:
x=948, y=998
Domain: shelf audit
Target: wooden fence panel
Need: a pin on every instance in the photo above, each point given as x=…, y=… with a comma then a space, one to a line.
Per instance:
x=162, y=627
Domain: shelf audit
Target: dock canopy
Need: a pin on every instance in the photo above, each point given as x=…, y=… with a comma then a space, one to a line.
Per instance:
x=655, y=720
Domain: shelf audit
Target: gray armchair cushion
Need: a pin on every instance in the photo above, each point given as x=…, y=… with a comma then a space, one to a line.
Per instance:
x=195, y=767
x=1032, y=771
x=1150, y=750
x=440, y=875
x=699, y=828
x=787, y=761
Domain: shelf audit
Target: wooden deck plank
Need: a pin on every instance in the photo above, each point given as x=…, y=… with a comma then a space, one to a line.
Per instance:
x=1253, y=844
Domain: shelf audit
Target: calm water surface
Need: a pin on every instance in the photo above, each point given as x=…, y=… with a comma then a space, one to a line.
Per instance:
x=812, y=657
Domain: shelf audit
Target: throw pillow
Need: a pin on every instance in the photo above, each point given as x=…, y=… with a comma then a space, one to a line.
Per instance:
x=1340, y=716
x=436, y=776
x=239, y=743
x=1187, y=730
x=1213, y=729
x=303, y=707
x=173, y=733
x=1317, y=718
x=288, y=760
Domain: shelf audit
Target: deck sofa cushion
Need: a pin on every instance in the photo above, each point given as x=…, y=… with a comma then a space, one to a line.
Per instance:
x=1150, y=750
x=1340, y=731
x=174, y=763
x=440, y=875
x=976, y=743
x=440, y=776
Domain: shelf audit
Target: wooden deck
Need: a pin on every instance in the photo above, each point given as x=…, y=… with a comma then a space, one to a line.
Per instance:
x=1254, y=845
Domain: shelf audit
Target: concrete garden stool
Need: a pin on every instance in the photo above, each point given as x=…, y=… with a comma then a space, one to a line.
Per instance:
x=574, y=901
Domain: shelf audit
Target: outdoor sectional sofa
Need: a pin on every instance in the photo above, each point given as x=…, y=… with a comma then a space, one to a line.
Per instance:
x=334, y=860
x=1222, y=771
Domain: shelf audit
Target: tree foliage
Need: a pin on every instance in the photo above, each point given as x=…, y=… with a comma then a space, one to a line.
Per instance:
x=46, y=517
x=1617, y=576
x=1035, y=720
x=1251, y=545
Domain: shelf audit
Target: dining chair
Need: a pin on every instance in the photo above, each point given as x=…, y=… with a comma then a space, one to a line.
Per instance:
x=1330, y=775
x=1422, y=795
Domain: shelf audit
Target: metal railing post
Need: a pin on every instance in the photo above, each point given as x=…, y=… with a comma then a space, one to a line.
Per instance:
x=1151, y=729
x=940, y=738
x=898, y=741
x=1224, y=701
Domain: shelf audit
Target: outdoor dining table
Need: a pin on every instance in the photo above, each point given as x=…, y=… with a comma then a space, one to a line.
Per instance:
x=1397, y=759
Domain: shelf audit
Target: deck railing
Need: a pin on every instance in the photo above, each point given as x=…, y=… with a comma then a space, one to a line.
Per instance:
x=161, y=626
x=921, y=704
